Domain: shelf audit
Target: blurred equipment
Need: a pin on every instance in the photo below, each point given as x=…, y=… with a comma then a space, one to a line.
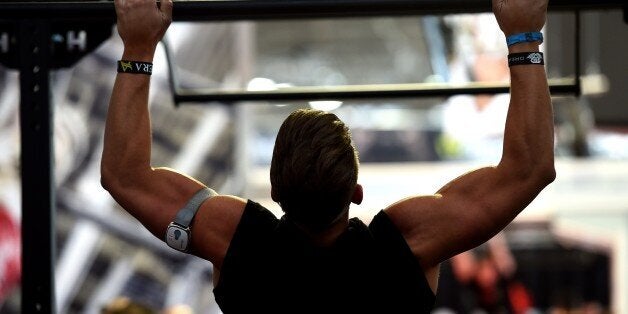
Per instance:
x=10, y=253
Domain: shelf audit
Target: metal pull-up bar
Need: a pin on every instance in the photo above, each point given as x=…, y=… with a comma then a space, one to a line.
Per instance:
x=235, y=10
x=279, y=9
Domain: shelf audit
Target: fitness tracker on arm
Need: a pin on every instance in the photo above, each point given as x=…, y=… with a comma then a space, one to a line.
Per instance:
x=179, y=234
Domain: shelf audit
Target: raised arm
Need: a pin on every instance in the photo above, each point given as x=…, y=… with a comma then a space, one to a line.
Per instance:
x=154, y=195
x=474, y=207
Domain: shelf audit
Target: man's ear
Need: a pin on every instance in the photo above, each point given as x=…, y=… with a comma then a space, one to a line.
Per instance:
x=358, y=195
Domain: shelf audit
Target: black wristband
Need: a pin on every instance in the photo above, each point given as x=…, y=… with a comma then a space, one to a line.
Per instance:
x=523, y=58
x=135, y=67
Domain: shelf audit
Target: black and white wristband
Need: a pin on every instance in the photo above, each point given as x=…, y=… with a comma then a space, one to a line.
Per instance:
x=525, y=58
x=135, y=67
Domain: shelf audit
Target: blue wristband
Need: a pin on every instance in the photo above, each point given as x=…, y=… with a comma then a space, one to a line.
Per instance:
x=524, y=37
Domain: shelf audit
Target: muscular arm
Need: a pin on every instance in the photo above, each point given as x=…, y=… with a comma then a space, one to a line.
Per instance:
x=154, y=195
x=474, y=207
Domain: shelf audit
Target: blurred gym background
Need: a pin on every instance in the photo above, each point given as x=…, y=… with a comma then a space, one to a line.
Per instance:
x=566, y=253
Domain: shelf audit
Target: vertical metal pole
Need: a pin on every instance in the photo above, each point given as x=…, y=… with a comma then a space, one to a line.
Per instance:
x=436, y=46
x=578, y=46
x=245, y=58
x=38, y=200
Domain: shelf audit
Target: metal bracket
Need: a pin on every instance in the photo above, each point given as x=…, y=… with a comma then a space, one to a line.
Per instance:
x=68, y=42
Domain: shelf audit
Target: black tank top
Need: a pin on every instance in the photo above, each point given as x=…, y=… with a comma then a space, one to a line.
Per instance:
x=271, y=267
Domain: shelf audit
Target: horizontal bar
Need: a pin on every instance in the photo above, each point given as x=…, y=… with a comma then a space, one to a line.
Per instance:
x=355, y=92
x=278, y=9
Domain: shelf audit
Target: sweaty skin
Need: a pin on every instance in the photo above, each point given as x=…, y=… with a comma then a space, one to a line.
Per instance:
x=461, y=215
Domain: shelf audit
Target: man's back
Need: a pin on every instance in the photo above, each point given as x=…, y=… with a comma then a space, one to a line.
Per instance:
x=314, y=178
x=272, y=266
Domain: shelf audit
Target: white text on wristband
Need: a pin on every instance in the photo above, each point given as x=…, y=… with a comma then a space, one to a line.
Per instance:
x=523, y=58
x=135, y=67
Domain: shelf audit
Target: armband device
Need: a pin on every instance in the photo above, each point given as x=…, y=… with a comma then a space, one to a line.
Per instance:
x=178, y=233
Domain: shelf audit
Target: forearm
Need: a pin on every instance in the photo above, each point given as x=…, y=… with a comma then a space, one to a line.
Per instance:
x=127, y=143
x=474, y=207
x=126, y=154
x=529, y=133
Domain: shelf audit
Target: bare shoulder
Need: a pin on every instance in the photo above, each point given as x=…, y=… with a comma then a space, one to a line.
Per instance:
x=214, y=226
x=415, y=220
x=411, y=215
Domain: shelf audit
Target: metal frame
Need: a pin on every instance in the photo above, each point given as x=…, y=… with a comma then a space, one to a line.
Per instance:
x=38, y=197
x=374, y=91
x=381, y=91
x=279, y=9
x=562, y=86
x=33, y=20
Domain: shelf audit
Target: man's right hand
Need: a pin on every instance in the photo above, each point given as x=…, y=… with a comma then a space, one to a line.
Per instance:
x=520, y=16
x=141, y=25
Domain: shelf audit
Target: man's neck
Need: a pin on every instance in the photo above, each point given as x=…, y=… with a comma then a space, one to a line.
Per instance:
x=328, y=236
